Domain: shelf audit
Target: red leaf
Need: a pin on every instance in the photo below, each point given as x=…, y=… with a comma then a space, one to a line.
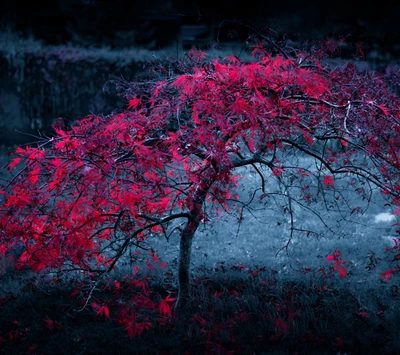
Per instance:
x=25, y=256
x=101, y=310
x=49, y=324
x=217, y=294
x=386, y=275
x=14, y=163
x=52, y=325
x=235, y=293
x=136, y=269
x=251, y=145
x=309, y=139
x=328, y=180
x=34, y=175
x=338, y=263
x=383, y=109
x=278, y=171
x=165, y=308
x=60, y=132
x=342, y=271
x=106, y=311
x=134, y=103
x=60, y=144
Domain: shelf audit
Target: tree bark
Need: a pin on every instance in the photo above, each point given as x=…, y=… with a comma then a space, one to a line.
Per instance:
x=184, y=265
x=185, y=251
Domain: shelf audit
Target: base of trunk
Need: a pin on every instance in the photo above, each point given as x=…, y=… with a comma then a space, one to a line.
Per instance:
x=182, y=304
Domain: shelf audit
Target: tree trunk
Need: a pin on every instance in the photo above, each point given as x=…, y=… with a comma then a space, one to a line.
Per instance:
x=184, y=264
x=185, y=251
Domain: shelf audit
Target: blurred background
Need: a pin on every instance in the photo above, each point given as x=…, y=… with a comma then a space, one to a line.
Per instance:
x=156, y=24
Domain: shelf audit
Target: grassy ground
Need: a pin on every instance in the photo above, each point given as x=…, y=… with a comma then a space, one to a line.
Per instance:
x=235, y=310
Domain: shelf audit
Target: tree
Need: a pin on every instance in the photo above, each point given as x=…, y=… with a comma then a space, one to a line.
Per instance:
x=85, y=197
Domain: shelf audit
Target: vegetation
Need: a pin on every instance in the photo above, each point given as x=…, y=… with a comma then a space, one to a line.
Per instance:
x=92, y=197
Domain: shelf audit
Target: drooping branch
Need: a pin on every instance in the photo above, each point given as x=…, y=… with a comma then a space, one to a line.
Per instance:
x=156, y=222
x=356, y=170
